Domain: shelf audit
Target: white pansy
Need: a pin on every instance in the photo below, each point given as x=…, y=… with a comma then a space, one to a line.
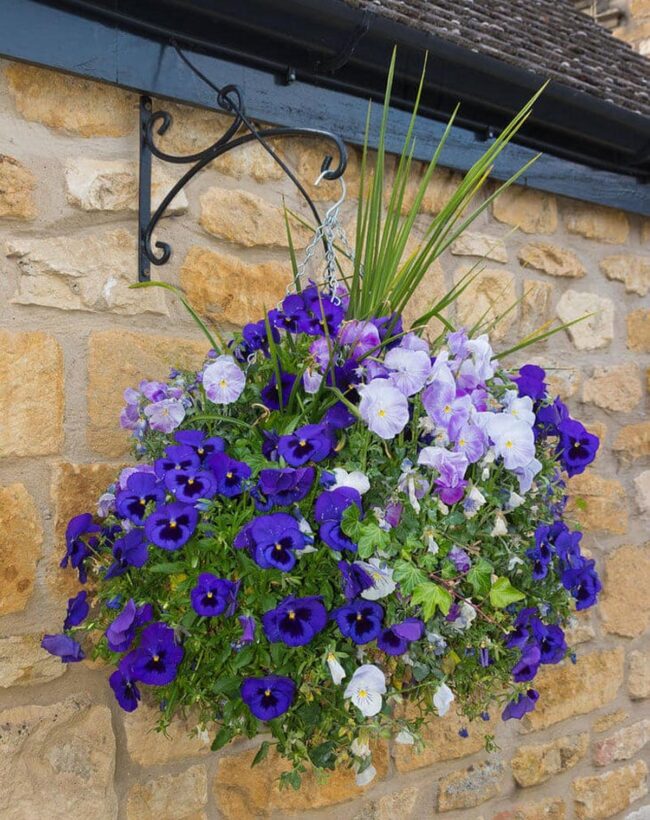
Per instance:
x=514, y=561
x=430, y=541
x=356, y=479
x=521, y=407
x=405, y=738
x=382, y=579
x=223, y=380
x=465, y=618
x=360, y=748
x=514, y=501
x=365, y=689
x=474, y=500
x=336, y=670
x=500, y=527
x=442, y=699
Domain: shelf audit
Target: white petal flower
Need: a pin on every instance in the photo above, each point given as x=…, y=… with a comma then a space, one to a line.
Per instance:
x=464, y=620
x=365, y=689
x=356, y=479
x=223, y=380
x=360, y=748
x=382, y=579
x=521, y=407
x=410, y=369
x=405, y=738
x=442, y=699
x=366, y=776
x=514, y=501
x=500, y=527
x=336, y=670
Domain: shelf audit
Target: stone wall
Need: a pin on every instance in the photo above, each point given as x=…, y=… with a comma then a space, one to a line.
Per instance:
x=74, y=336
x=636, y=27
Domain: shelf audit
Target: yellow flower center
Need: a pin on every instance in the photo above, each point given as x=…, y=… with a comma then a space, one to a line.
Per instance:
x=173, y=524
x=576, y=444
x=509, y=444
x=292, y=615
x=447, y=408
x=143, y=502
x=210, y=595
x=461, y=442
x=190, y=481
x=331, y=657
x=267, y=692
x=302, y=442
x=381, y=413
x=200, y=451
x=229, y=475
x=156, y=658
x=363, y=693
x=278, y=546
x=358, y=616
x=223, y=384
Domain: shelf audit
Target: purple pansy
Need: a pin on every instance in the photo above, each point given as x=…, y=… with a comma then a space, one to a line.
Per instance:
x=247, y=623
x=177, y=457
x=527, y=666
x=124, y=685
x=211, y=596
x=395, y=639
x=231, y=475
x=295, y=621
x=283, y=487
x=359, y=620
x=171, y=525
x=64, y=647
x=313, y=442
x=274, y=397
x=582, y=581
x=550, y=640
x=328, y=513
x=204, y=446
x=521, y=705
x=141, y=489
x=190, y=485
x=121, y=631
x=321, y=313
x=77, y=610
x=268, y=697
x=130, y=550
x=80, y=540
x=530, y=381
x=157, y=657
x=459, y=558
x=576, y=447
x=271, y=540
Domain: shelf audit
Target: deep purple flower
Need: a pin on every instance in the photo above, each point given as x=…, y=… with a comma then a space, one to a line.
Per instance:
x=171, y=525
x=255, y=336
x=157, y=658
x=141, y=490
x=77, y=610
x=291, y=314
x=270, y=445
x=583, y=582
x=191, y=485
x=521, y=705
x=80, y=540
x=295, y=621
x=338, y=417
x=550, y=640
x=320, y=313
x=211, y=596
x=354, y=580
x=247, y=623
x=393, y=513
x=202, y=446
x=271, y=395
x=313, y=442
x=64, y=647
x=268, y=697
x=283, y=487
x=567, y=546
x=484, y=657
x=129, y=551
x=459, y=558
x=271, y=540
x=517, y=638
x=549, y=416
x=177, y=457
x=527, y=666
x=328, y=512
x=121, y=631
x=577, y=447
x=389, y=327
x=359, y=620
x=530, y=381
x=124, y=685
x=231, y=475
x=540, y=557
x=395, y=639
x=454, y=613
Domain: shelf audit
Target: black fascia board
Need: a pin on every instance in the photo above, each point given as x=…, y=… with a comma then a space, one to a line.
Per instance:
x=112, y=44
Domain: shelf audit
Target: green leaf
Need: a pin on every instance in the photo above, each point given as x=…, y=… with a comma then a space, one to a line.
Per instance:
x=479, y=577
x=224, y=735
x=432, y=597
x=408, y=576
x=262, y=752
x=350, y=521
x=503, y=593
x=168, y=568
x=371, y=539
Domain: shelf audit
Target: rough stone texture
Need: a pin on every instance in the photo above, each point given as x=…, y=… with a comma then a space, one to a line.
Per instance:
x=598, y=223
x=212, y=282
x=112, y=185
x=471, y=787
x=118, y=359
x=568, y=689
x=622, y=745
x=616, y=388
x=31, y=367
x=596, y=330
x=149, y=748
x=599, y=505
x=17, y=185
x=170, y=797
x=606, y=794
x=442, y=741
x=607, y=722
x=401, y=804
x=258, y=793
x=535, y=306
x=633, y=441
x=638, y=330
x=552, y=808
x=22, y=661
x=551, y=259
x=432, y=288
x=309, y=156
x=21, y=540
x=81, y=107
x=75, y=489
x=580, y=628
x=83, y=273
x=642, y=487
x=625, y=606
x=247, y=219
x=490, y=294
x=480, y=244
x=633, y=271
x=527, y=209
x=532, y=765
x=59, y=759
x=638, y=682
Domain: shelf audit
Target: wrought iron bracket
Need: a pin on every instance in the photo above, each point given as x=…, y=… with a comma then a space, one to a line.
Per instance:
x=240, y=132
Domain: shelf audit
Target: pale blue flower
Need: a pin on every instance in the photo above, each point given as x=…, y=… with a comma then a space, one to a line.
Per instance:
x=384, y=408
x=513, y=440
x=165, y=415
x=224, y=380
x=409, y=369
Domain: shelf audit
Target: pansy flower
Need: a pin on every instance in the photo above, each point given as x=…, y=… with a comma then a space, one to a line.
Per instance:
x=354, y=579
x=191, y=485
x=272, y=396
x=171, y=525
x=166, y=415
x=443, y=697
x=295, y=621
x=582, y=581
x=313, y=442
x=381, y=575
x=328, y=513
x=576, y=447
x=130, y=550
x=359, y=620
x=141, y=489
x=158, y=656
x=204, y=446
x=247, y=623
x=211, y=596
x=77, y=610
x=291, y=314
x=80, y=540
x=384, y=408
x=366, y=688
x=521, y=705
x=527, y=666
x=223, y=380
x=550, y=640
x=283, y=487
x=268, y=697
x=255, y=337
x=395, y=640
x=124, y=684
x=231, y=475
x=177, y=457
x=321, y=313
x=272, y=540
x=64, y=647
x=121, y=631
x=530, y=381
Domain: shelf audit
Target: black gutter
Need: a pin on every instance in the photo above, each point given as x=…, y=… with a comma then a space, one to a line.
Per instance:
x=331, y=44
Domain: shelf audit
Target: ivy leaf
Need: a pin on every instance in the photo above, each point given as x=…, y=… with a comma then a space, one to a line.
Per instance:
x=224, y=735
x=408, y=576
x=371, y=539
x=350, y=521
x=503, y=593
x=479, y=577
x=431, y=597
